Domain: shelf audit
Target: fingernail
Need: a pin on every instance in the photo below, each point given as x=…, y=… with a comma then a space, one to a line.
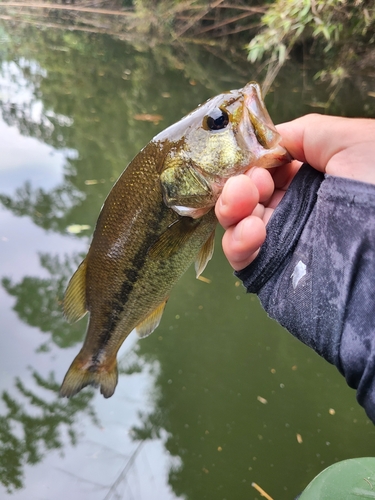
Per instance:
x=237, y=232
x=250, y=172
x=223, y=200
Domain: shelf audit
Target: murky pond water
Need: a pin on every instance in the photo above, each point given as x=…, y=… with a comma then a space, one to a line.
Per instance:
x=219, y=396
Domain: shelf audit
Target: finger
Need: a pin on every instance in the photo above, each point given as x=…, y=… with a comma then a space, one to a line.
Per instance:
x=263, y=180
x=283, y=176
x=317, y=138
x=275, y=200
x=259, y=211
x=241, y=242
x=292, y=134
x=267, y=215
x=238, y=199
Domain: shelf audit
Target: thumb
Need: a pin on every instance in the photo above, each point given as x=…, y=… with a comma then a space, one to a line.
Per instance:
x=338, y=146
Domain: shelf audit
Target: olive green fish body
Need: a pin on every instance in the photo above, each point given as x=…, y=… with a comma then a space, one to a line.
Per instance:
x=157, y=220
x=140, y=249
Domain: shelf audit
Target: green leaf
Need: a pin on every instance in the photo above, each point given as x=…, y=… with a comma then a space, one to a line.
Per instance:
x=352, y=479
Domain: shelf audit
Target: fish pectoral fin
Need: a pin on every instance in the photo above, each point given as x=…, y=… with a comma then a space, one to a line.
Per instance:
x=173, y=238
x=152, y=321
x=75, y=295
x=205, y=254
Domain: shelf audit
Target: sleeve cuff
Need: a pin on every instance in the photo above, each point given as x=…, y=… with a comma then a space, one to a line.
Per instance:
x=284, y=228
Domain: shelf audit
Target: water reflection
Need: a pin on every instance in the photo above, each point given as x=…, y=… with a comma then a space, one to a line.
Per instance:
x=38, y=301
x=33, y=423
x=218, y=394
x=234, y=391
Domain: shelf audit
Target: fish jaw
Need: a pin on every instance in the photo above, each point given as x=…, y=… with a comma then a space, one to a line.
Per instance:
x=258, y=133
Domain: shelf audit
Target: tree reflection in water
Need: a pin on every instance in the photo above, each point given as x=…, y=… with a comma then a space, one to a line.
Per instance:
x=89, y=90
x=38, y=300
x=80, y=102
x=35, y=422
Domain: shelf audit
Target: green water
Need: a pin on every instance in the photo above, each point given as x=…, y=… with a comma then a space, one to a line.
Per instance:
x=219, y=396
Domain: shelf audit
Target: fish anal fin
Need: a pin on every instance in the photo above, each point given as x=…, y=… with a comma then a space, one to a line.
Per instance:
x=75, y=295
x=173, y=238
x=82, y=374
x=205, y=254
x=152, y=321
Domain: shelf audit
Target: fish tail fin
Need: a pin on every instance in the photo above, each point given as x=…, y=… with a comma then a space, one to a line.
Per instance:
x=82, y=374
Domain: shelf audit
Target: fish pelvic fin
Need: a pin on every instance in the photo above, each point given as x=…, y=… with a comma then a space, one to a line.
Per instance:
x=152, y=321
x=75, y=295
x=82, y=374
x=205, y=254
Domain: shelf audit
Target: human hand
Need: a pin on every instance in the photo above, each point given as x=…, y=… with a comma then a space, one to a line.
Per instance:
x=343, y=147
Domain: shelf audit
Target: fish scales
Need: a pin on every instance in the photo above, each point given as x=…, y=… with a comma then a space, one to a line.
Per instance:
x=118, y=257
x=157, y=219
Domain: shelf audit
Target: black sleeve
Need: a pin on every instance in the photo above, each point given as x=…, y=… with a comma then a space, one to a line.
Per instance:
x=315, y=273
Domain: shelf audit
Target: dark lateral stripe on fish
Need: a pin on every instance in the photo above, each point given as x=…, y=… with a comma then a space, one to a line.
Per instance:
x=118, y=306
x=132, y=275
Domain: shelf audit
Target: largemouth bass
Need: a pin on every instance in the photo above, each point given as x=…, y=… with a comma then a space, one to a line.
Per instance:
x=158, y=219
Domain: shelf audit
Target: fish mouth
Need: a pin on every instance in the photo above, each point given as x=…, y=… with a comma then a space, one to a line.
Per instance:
x=285, y=157
x=263, y=137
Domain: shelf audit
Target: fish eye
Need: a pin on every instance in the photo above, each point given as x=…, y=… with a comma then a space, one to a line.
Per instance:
x=216, y=120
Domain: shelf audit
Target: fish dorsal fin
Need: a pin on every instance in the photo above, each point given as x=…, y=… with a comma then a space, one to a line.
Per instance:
x=75, y=295
x=152, y=321
x=205, y=254
x=173, y=238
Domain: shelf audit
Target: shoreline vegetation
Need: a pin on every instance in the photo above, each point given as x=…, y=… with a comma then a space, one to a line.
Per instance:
x=338, y=33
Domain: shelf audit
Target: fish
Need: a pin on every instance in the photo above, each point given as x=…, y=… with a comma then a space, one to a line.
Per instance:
x=156, y=221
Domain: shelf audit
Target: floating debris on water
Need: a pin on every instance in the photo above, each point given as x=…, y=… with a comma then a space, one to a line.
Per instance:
x=261, y=491
x=146, y=117
x=77, y=228
x=205, y=280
